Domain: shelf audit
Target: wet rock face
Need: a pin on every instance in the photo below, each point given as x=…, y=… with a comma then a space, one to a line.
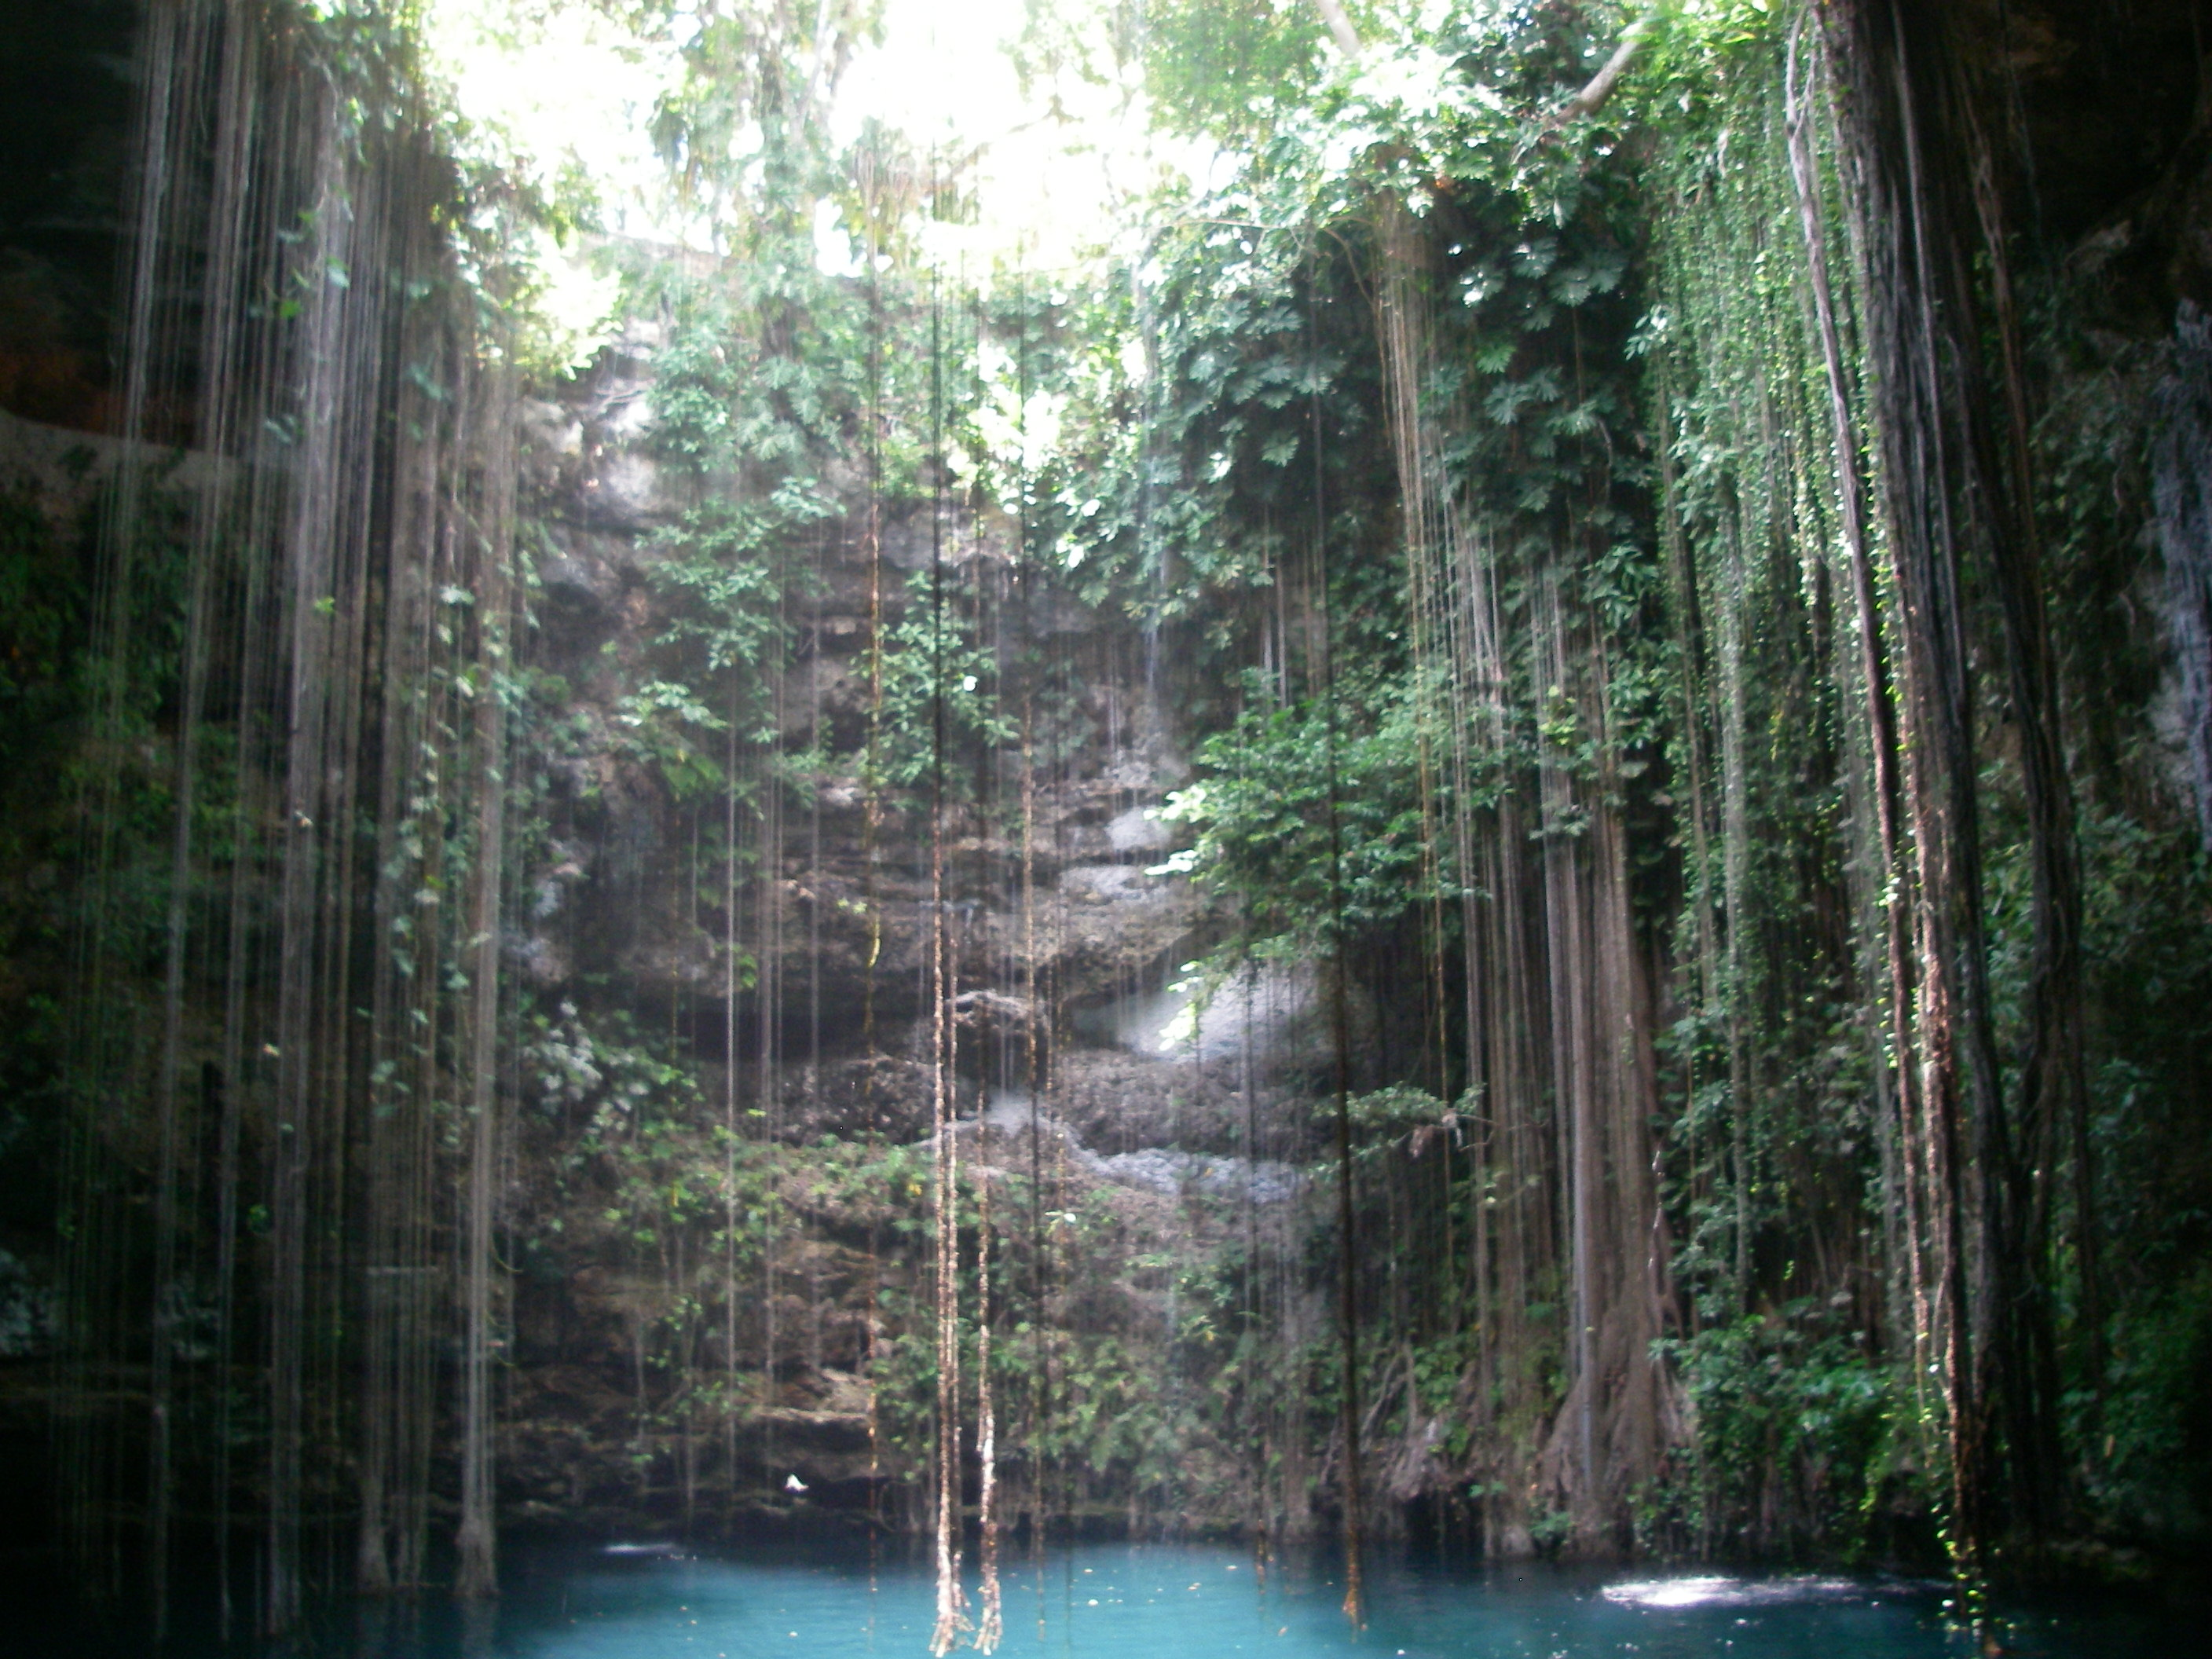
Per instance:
x=795, y=1005
x=1138, y=830
x=876, y=1095
x=837, y=927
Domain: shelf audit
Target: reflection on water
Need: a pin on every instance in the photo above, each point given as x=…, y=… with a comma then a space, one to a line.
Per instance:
x=1735, y=1592
x=624, y=1600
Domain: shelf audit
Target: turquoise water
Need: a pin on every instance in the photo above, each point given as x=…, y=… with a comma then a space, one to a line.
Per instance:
x=1149, y=1601
x=1163, y=1602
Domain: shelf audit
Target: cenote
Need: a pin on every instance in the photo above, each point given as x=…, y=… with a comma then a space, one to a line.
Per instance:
x=1341, y=775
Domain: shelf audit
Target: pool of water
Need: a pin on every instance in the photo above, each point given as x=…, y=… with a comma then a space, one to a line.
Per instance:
x=1193, y=1601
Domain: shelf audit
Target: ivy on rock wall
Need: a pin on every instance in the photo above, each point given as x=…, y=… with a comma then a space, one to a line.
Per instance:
x=1638, y=504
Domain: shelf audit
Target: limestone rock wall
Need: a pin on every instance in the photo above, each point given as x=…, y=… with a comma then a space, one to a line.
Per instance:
x=636, y=1393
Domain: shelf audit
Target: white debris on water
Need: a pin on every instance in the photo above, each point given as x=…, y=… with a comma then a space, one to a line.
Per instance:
x=1717, y=1592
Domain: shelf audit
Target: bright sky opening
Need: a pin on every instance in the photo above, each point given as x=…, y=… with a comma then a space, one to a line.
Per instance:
x=558, y=90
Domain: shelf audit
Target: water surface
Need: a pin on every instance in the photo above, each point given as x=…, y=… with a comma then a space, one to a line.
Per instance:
x=1174, y=1601
x=1164, y=1601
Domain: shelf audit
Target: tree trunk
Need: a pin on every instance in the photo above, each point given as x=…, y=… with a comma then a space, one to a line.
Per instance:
x=478, y=1571
x=1918, y=175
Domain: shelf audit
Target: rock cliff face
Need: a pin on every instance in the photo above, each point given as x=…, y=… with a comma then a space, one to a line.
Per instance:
x=719, y=1186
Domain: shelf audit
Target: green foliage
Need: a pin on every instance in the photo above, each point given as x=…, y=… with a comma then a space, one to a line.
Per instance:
x=940, y=707
x=1391, y=1114
x=1636, y=426
x=2154, y=1463
x=1231, y=71
x=1635, y=436
x=743, y=132
x=1793, y=1417
x=1197, y=385
x=764, y=373
x=1306, y=815
x=659, y=721
x=1760, y=704
x=43, y=608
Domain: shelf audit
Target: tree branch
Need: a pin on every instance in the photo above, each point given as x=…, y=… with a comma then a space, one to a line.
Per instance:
x=1339, y=27
x=1592, y=98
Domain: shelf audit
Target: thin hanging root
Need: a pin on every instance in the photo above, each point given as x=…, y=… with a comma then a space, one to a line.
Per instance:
x=321, y=689
x=1340, y=1043
x=991, y=1625
x=951, y=1613
x=951, y=1619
